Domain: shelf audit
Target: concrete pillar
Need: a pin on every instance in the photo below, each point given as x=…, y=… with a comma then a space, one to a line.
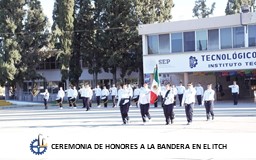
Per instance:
x=185, y=81
x=145, y=45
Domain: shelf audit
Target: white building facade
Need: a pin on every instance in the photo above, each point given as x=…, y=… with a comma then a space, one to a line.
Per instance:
x=209, y=50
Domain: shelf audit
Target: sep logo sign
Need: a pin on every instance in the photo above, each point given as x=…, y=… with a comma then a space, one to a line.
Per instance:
x=164, y=61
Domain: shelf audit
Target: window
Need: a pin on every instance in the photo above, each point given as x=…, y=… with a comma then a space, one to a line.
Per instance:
x=153, y=44
x=189, y=41
x=201, y=40
x=164, y=43
x=213, y=39
x=252, y=35
x=176, y=42
x=225, y=38
x=238, y=37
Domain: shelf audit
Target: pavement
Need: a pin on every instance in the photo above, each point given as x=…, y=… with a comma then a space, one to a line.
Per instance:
x=231, y=135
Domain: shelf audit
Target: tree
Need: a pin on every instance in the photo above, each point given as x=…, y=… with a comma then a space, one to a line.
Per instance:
x=201, y=10
x=63, y=27
x=234, y=6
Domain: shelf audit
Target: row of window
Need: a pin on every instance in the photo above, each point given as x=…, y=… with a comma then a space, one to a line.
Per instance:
x=212, y=39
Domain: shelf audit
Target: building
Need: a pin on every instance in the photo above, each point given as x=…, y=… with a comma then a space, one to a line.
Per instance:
x=209, y=50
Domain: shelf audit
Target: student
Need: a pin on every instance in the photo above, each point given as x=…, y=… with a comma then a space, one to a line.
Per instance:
x=136, y=95
x=60, y=97
x=180, y=90
x=104, y=96
x=144, y=102
x=168, y=104
x=46, y=95
x=74, y=95
x=97, y=92
x=69, y=95
x=188, y=101
x=235, y=92
x=113, y=91
x=208, y=99
x=124, y=102
x=199, y=93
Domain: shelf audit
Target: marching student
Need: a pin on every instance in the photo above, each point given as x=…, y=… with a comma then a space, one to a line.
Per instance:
x=180, y=91
x=60, y=96
x=208, y=100
x=113, y=91
x=97, y=92
x=144, y=102
x=175, y=92
x=136, y=95
x=235, y=92
x=69, y=95
x=168, y=104
x=104, y=96
x=199, y=93
x=188, y=101
x=74, y=95
x=86, y=95
x=46, y=95
x=124, y=102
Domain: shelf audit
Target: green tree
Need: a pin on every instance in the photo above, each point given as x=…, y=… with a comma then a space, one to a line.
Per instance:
x=11, y=25
x=234, y=6
x=63, y=27
x=201, y=10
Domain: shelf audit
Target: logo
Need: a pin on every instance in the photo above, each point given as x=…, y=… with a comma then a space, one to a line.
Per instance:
x=192, y=62
x=38, y=146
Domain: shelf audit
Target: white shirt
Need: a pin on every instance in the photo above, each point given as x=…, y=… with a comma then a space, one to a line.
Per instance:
x=144, y=96
x=113, y=91
x=199, y=90
x=209, y=95
x=86, y=92
x=61, y=94
x=189, y=96
x=74, y=93
x=69, y=92
x=180, y=89
x=97, y=91
x=234, y=88
x=136, y=92
x=123, y=94
x=130, y=90
x=104, y=92
x=46, y=95
x=169, y=99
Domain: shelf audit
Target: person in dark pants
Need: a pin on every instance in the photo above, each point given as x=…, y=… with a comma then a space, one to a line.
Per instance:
x=97, y=92
x=104, y=96
x=180, y=91
x=199, y=93
x=168, y=104
x=46, y=95
x=208, y=100
x=74, y=97
x=124, y=102
x=144, y=102
x=60, y=97
x=235, y=92
x=188, y=101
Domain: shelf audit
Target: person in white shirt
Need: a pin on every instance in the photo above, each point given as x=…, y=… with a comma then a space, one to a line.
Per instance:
x=180, y=91
x=113, y=91
x=235, y=92
x=168, y=104
x=60, y=97
x=188, y=101
x=124, y=102
x=86, y=95
x=208, y=99
x=69, y=95
x=104, y=96
x=136, y=95
x=46, y=95
x=144, y=102
x=199, y=93
x=175, y=92
x=97, y=92
x=74, y=95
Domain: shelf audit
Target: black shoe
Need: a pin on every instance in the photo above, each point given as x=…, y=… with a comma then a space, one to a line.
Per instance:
x=212, y=117
x=167, y=123
x=188, y=123
x=171, y=121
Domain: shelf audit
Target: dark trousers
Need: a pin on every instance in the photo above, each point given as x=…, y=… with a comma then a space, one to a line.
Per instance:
x=144, y=110
x=45, y=103
x=73, y=102
x=69, y=102
x=114, y=100
x=98, y=100
x=235, y=98
x=168, y=112
x=199, y=99
x=105, y=101
x=124, y=109
x=180, y=96
x=60, y=101
x=86, y=103
x=189, y=111
x=209, y=109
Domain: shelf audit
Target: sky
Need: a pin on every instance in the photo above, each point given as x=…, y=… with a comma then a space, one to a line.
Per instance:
x=181, y=11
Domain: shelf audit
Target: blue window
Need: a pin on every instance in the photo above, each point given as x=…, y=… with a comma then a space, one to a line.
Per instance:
x=238, y=37
x=225, y=38
x=213, y=39
x=189, y=41
x=164, y=43
x=252, y=35
x=176, y=42
x=153, y=44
